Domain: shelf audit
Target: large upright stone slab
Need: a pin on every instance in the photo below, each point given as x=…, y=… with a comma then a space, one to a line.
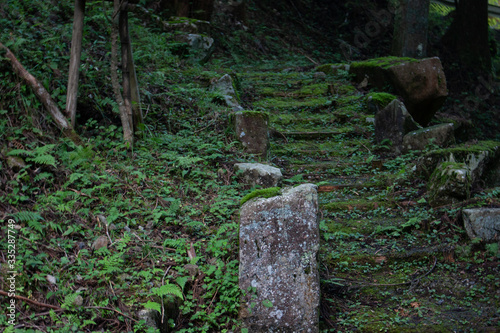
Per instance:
x=251, y=129
x=392, y=123
x=279, y=241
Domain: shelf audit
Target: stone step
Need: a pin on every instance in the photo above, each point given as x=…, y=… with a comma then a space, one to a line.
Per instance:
x=314, y=135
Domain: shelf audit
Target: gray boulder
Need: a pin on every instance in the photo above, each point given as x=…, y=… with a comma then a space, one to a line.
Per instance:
x=259, y=174
x=200, y=47
x=450, y=183
x=440, y=135
x=392, y=123
x=150, y=316
x=483, y=223
x=279, y=242
x=226, y=87
x=251, y=128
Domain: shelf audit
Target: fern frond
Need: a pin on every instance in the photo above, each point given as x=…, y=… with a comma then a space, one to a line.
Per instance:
x=31, y=218
x=175, y=243
x=41, y=176
x=20, y=152
x=43, y=150
x=168, y=289
x=44, y=159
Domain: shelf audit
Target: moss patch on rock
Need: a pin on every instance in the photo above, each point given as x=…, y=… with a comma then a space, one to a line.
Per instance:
x=384, y=62
x=261, y=193
x=381, y=99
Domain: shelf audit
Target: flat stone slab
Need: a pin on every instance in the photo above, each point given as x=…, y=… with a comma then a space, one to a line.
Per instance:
x=483, y=223
x=441, y=135
x=279, y=241
x=259, y=174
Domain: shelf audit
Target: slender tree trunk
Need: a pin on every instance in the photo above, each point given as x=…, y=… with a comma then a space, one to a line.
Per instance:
x=43, y=95
x=125, y=115
x=74, y=65
x=135, y=97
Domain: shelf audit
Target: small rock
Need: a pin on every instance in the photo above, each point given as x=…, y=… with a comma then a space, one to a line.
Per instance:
x=78, y=301
x=15, y=163
x=51, y=279
x=101, y=241
x=150, y=316
x=259, y=174
x=192, y=269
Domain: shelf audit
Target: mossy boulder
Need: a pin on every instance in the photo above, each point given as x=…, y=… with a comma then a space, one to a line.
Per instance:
x=482, y=159
x=421, y=83
x=449, y=183
x=378, y=100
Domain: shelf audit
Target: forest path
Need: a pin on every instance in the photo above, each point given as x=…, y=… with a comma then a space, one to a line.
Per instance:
x=386, y=263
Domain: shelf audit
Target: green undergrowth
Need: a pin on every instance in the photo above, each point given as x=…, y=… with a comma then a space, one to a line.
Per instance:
x=167, y=210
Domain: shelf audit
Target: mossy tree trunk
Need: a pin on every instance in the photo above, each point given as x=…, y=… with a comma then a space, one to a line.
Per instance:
x=467, y=36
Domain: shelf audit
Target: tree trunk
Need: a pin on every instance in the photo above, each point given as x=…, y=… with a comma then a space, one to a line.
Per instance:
x=467, y=36
x=125, y=114
x=410, y=29
x=138, y=120
x=76, y=51
x=43, y=95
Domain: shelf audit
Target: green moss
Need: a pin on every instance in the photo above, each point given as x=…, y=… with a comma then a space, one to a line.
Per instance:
x=326, y=68
x=363, y=205
x=381, y=99
x=312, y=90
x=384, y=62
x=261, y=193
x=283, y=103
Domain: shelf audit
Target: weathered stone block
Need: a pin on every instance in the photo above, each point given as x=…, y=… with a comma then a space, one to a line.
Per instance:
x=279, y=242
x=226, y=87
x=440, y=135
x=259, y=174
x=392, y=123
x=450, y=183
x=483, y=223
x=251, y=129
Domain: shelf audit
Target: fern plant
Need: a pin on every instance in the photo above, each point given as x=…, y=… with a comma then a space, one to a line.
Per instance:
x=31, y=218
x=39, y=155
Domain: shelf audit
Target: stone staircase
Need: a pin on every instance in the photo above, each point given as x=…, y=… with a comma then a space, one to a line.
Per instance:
x=322, y=133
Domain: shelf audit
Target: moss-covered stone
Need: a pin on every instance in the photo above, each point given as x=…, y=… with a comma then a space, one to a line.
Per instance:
x=449, y=183
x=261, y=193
x=380, y=99
x=383, y=62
